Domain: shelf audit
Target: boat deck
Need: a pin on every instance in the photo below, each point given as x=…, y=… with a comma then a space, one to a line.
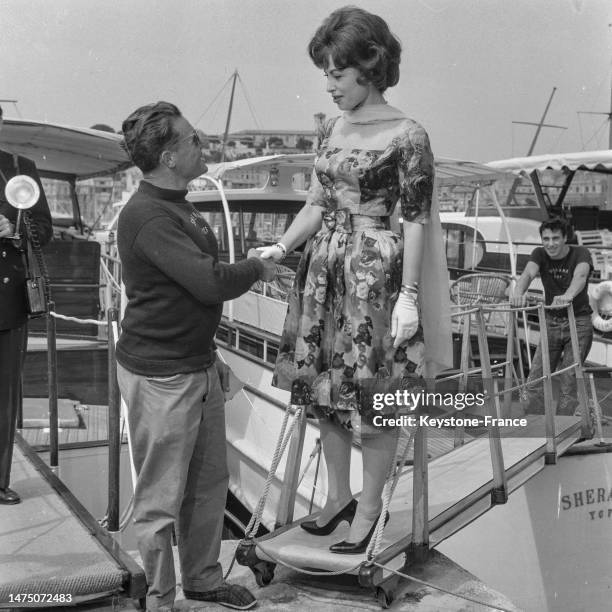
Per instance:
x=78, y=424
x=51, y=546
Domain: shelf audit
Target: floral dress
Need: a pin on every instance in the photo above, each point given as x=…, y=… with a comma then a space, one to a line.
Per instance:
x=336, y=348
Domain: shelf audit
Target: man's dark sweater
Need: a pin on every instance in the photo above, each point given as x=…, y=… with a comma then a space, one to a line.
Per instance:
x=174, y=283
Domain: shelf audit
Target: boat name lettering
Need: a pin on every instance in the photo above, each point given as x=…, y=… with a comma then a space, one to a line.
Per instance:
x=587, y=497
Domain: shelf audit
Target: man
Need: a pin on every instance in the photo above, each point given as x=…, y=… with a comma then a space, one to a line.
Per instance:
x=167, y=369
x=13, y=308
x=564, y=271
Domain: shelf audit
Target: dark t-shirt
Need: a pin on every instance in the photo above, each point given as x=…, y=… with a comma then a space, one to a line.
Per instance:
x=557, y=274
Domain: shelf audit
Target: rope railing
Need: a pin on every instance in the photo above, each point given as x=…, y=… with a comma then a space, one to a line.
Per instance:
x=97, y=322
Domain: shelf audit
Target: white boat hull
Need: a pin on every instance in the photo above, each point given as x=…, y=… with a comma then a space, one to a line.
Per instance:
x=548, y=548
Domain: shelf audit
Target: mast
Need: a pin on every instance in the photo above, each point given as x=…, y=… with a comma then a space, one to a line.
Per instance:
x=608, y=114
x=229, y=115
x=539, y=125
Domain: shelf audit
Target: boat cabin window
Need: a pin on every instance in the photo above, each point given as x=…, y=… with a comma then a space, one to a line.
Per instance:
x=252, y=344
x=515, y=195
x=461, y=250
x=59, y=196
x=254, y=223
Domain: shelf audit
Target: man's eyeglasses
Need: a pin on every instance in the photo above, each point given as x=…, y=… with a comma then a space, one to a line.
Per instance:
x=195, y=139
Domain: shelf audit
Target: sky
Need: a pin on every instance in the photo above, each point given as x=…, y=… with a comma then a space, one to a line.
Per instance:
x=470, y=68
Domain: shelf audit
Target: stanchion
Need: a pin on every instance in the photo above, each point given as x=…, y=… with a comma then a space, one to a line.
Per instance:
x=581, y=390
x=52, y=385
x=114, y=428
x=499, y=494
x=286, y=504
x=419, y=545
x=549, y=404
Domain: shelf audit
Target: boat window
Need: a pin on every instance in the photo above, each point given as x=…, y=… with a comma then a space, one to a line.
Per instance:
x=255, y=223
x=224, y=334
x=461, y=252
x=59, y=198
x=245, y=178
x=272, y=353
x=300, y=181
x=251, y=344
x=252, y=231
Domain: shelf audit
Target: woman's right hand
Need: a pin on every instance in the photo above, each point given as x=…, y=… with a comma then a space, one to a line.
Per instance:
x=271, y=252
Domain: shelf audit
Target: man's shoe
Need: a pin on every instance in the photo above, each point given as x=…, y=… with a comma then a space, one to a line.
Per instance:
x=8, y=496
x=228, y=595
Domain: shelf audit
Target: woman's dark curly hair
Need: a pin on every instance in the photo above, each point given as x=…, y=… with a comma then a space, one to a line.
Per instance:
x=355, y=38
x=148, y=131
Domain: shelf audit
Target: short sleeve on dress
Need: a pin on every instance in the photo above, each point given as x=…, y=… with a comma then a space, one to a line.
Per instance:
x=416, y=174
x=316, y=195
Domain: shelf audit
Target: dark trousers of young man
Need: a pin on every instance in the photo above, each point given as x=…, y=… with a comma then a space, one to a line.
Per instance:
x=561, y=355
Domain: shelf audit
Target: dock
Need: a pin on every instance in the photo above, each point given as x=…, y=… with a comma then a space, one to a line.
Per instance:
x=51, y=546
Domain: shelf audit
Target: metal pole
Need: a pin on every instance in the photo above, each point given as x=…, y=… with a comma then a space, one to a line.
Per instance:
x=499, y=495
x=114, y=428
x=286, y=503
x=511, y=324
x=420, y=498
x=52, y=385
x=583, y=398
x=229, y=116
x=549, y=407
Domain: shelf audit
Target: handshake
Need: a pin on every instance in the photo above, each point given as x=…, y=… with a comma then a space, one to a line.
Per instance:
x=269, y=265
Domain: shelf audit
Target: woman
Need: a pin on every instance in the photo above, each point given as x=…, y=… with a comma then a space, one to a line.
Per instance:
x=352, y=327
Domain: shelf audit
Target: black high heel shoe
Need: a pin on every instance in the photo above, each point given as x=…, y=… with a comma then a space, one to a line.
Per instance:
x=356, y=548
x=346, y=514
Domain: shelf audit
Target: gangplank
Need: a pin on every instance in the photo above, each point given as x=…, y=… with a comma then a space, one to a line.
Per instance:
x=436, y=498
x=461, y=488
x=52, y=550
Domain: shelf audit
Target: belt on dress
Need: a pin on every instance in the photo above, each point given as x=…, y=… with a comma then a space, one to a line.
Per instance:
x=347, y=223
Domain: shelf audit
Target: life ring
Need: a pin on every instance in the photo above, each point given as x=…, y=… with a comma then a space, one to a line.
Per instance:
x=602, y=293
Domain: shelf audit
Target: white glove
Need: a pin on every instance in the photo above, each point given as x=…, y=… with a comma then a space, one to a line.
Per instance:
x=272, y=252
x=404, y=320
